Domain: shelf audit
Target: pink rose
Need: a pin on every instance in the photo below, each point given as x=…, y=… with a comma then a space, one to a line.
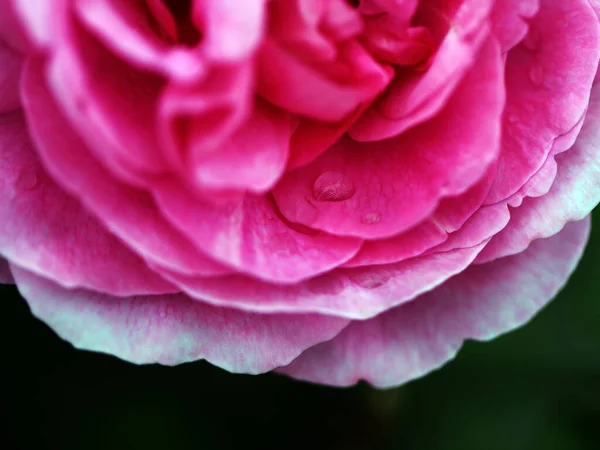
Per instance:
x=335, y=189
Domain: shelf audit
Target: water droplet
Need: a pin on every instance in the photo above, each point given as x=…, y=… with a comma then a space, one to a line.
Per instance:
x=27, y=180
x=370, y=280
x=332, y=187
x=536, y=74
x=371, y=218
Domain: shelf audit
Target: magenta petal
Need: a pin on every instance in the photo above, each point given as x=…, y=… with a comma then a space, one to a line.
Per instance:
x=123, y=26
x=355, y=293
x=39, y=18
x=127, y=212
x=548, y=83
x=173, y=329
x=413, y=98
x=250, y=236
x=573, y=195
x=10, y=73
x=418, y=337
x=49, y=233
x=378, y=189
x=251, y=159
x=509, y=20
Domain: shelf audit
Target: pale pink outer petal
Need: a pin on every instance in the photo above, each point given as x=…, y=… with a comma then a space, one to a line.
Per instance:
x=5, y=273
x=484, y=301
x=574, y=193
x=48, y=232
x=173, y=329
x=548, y=83
x=10, y=73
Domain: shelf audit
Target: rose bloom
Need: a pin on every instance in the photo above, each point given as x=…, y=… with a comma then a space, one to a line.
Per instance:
x=335, y=190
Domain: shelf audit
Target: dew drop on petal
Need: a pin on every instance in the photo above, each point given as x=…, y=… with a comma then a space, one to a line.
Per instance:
x=371, y=218
x=536, y=74
x=332, y=187
x=370, y=280
x=26, y=180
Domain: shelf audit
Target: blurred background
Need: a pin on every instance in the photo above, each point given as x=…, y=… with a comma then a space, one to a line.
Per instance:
x=535, y=388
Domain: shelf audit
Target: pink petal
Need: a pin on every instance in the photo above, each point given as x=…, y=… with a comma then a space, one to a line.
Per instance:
x=449, y=216
x=173, y=329
x=111, y=104
x=128, y=213
x=124, y=28
x=196, y=120
x=11, y=29
x=509, y=20
x=481, y=226
x=280, y=73
x=378, y=189
x=355, y=293
x=548, y=82
x=49, y=233
x=10, y=73
x=250, y=236
x=413, y=98
x=573, y=195
x=233, y=29
x=409, y=244
x=253, y=158
x=40, y=18
x=484, y=301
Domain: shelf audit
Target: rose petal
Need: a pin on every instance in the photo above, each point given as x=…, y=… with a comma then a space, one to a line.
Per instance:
x=10, y=74
x=450, y=215
x=173, y=329
x=548, y=82
x=484, y=301
x=250, y=236
x=413, y=98
x=573, y=195
x=253, y=158
x=49, y=233
x=128, y=213
x=124, y=28
x=355, y=293
x=510, y=20
x=113, y=110
x=378, y=189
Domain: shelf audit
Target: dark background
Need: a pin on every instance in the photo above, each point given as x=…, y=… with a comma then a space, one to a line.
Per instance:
x=536, y=388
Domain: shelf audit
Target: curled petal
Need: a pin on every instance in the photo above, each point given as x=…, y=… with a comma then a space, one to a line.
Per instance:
x=484, y=301
x=173, y=329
